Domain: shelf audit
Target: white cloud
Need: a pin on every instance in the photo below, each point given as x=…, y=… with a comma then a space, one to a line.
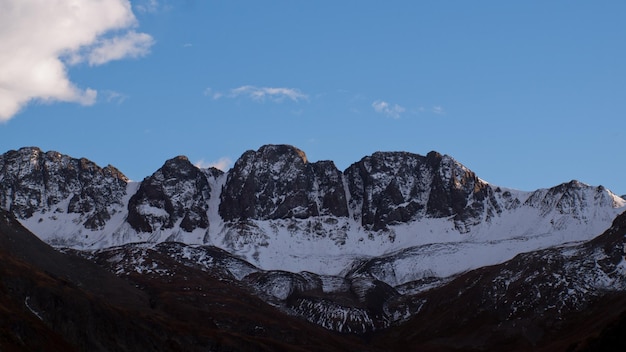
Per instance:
x=132, y=45
x=221, y=164
x=152, y=6
x=114, y=97
x=438, y=110
x=259, y=94
x=273, y=94
x=211, y=93
x=382, y=107
x=40, y=38
x=147, y=6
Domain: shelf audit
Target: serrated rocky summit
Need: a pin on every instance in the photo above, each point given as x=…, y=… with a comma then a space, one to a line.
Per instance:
x=34, y=185
x=394, y=188
x=277, y=182
x=177, y=194
x=274, y=201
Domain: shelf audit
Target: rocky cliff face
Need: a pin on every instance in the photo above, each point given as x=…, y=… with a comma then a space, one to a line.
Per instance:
x=176, y=194
x=277, y=182
x=392, y=188
x=33, y=181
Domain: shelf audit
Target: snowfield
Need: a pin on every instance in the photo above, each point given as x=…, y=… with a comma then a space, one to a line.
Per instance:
x=327, y=245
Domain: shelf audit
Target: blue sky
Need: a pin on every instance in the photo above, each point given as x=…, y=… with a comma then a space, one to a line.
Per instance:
x=527, y=94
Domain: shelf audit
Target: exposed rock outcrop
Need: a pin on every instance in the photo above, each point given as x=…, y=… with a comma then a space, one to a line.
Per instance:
x=278, y=182
x=176, y=194
x=32, y=181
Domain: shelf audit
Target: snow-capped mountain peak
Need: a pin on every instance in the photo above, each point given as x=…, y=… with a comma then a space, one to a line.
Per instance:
x=278, y=210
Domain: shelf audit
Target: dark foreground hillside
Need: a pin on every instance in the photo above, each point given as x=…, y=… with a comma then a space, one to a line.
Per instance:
x=50, y=301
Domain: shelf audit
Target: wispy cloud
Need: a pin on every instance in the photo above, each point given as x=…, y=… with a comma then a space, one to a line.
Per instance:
x=147, y=6
x=223, y=164
x=130, y=45
x=45, y=37
x=212, y=93
x=259, y=94
x=393, y=111
x=114, y=97
x=270, y=93
x=438, y=110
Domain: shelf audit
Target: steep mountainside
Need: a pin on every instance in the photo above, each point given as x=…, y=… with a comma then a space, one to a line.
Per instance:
x=279, y=211
x=33, y=182
x=177, y=194
x=277, y=182
x=392, y=188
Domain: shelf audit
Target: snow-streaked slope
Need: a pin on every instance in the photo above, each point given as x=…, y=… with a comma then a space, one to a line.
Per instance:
x=64, y=229
x=528, y=221
x=416, y=216
x=426, y=247
x=328, y=245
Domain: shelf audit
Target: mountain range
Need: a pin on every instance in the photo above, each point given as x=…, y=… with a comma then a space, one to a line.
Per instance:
x=398, y=252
